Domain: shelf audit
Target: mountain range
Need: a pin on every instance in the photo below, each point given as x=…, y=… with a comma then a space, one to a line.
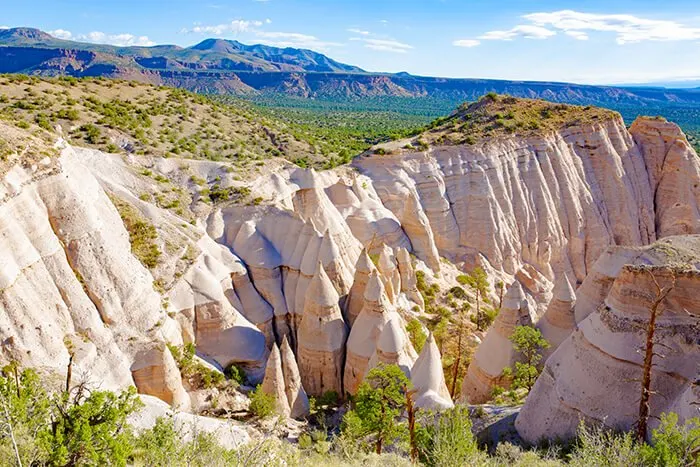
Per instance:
x=221, y=66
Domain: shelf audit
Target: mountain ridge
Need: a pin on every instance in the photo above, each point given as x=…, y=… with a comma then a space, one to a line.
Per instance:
x=219, y=66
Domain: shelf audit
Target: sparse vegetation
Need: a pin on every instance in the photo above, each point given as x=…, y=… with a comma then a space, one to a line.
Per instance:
x=198, y=374
x=142, y=234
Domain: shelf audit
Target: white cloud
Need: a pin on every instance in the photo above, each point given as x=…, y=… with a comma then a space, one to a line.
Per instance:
x=527, y=31
x=385, y=45
x=4, y=27
x=61, y=34
x=466, y=43
x=122, y=40
x=234, y=27
x=293, y=39
x=359, y=31
x=579, y=35
x=627, y=28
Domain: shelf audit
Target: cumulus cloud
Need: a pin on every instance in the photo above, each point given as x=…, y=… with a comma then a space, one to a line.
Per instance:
x=61, y=34
x=122, y=40
x=384, y=45
x=234, y=27
x=4, y=27
x=293, y=39
x=527, y=31
x=466, y=43
x=627, y=28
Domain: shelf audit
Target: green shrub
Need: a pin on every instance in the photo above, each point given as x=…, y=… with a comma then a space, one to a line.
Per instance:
x=262, y=405
x=416, y=334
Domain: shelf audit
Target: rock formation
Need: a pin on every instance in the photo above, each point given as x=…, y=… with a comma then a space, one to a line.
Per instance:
x=321, y=338
x=559, y=320
x=409, y=284
x=496, y=351
x=155, y=373
x=394, y=347
x=594, y=373
x=356, y=297
x=389, y=273
x=362, y=342
x=296, y=395
x=273, y=383
x=429, y=380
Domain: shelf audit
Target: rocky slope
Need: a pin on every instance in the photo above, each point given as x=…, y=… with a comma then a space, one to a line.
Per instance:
x=318, y=264
x=603, y=355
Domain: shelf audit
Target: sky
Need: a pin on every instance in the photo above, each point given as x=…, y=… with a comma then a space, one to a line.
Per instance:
x=596, y=42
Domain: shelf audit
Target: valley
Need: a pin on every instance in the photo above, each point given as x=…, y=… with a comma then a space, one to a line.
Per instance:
x=233, y=254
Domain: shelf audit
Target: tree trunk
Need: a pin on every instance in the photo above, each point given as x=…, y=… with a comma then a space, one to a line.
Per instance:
x=411, y=425
x=455, y=370
x=479, y=319
x=69, y=373
x=644, y=402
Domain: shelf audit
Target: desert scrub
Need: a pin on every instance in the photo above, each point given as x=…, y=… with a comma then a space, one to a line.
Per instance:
x=142, y=234
x=262, y=405
x=197, y=374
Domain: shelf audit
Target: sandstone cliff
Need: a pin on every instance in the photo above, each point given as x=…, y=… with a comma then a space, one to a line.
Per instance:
x=593, y=375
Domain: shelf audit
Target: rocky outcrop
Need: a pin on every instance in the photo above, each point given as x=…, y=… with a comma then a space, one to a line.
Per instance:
x=409, y=283
x=428, y=379
x=356, y=297
x=296, y=395
x=673, y=170
x=554, y=201
x=496, y=351
x=559, y=320
x=273, y=384
x=593, y=375
x=155, y=373
x=394, y=347
x=321, y=338
x=362, y=342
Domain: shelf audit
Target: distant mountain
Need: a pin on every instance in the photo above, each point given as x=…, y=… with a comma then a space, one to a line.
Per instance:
x=210, y=54
x=230, y=67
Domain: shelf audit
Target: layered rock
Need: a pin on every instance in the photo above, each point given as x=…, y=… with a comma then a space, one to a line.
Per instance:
x=394, y=347
x=356, y=297
x=321, y=338
x=296, y=395
x=496, y=350
x=554, y=201
x=593, y=375
x=362, y=342
x=389, y=273
x=409, y=283
x=559, y=319
x=428, y=379
x=155, y=373
x=274, y=384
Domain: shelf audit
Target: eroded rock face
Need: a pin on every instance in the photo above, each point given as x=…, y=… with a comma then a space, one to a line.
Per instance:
x=321, y=338
x=273, y=383
x=296, y=395
x=555, y=201
x=356, y=297
x=365, y=332
x=496, y=350
x=592, y=374
x=394, y=347
x=155, y=373
x=559, y=320
x=429, y=380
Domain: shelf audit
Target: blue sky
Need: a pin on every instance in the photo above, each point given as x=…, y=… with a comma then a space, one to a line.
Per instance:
x=619, y=41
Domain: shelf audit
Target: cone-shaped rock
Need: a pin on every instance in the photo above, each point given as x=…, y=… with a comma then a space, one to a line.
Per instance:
x=321, y=338
x=155, y=373
x=356, y=297
x=273, y=383
x=558, y=321
x=409, y=283
x=389, y=273
x=394, y=347
x=429, y=380
x=296, y=395
x=496, y=351
x=365, y=332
